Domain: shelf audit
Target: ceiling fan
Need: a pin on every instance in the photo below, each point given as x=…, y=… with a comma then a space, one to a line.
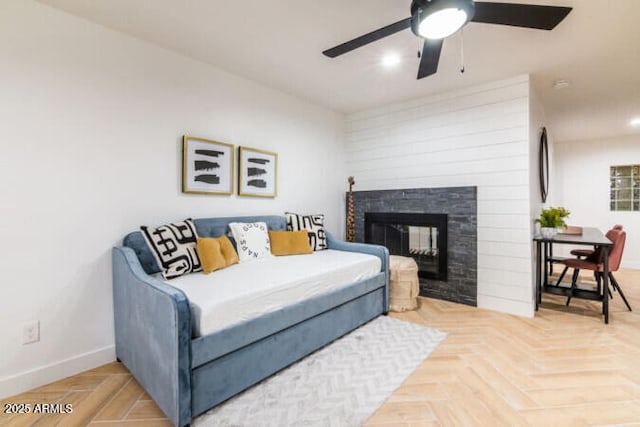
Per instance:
x=434, y=20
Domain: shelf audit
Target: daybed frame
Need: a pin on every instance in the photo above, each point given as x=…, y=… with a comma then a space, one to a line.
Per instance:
x=187, y=376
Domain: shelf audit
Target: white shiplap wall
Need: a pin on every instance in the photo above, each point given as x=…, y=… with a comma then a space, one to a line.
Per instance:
x=476, y=136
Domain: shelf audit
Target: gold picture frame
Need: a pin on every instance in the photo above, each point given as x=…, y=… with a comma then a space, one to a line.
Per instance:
x=207, y=166
x=257, y=172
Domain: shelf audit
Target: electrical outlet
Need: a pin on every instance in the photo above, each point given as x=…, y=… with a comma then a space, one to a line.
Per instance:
x=31, y=332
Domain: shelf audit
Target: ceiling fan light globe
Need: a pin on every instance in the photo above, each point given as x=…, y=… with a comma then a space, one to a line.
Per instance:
x=442, y=23
x=437, y=19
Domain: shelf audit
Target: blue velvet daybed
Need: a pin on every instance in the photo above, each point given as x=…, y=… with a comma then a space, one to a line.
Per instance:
x=187, y=376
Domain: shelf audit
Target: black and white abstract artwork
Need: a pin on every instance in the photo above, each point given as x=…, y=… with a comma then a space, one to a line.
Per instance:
x=257, y=172
x=207, y=166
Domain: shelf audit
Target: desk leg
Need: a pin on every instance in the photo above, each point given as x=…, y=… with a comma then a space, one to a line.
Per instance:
x=538, y=273
x=547, y=264
x=605, y=286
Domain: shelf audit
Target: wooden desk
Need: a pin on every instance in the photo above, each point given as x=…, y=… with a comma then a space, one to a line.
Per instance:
x=589, y=237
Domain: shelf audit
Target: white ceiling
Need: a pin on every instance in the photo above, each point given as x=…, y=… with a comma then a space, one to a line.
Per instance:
x=279, y=43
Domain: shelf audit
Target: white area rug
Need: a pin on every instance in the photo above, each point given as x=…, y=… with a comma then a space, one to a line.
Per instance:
x=340, y=385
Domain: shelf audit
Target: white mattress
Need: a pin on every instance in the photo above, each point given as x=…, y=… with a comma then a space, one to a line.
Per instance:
x=246, y=290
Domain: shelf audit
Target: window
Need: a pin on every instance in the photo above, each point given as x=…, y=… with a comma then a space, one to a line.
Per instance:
x=625, y=188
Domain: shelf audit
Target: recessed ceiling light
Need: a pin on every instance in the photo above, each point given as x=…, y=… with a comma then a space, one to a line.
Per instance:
x=561, y=84
x=390, y=60
x=635, y=122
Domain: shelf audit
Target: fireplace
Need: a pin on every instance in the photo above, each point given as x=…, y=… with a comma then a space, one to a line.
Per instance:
x=459, y=282
x=421, y=236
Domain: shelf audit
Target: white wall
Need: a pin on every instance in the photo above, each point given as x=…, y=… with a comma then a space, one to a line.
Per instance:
x=91, y=148
x=583, y=180
x=477, y=136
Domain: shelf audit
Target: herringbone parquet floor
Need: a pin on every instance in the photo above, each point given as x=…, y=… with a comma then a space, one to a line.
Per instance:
x=562, y=368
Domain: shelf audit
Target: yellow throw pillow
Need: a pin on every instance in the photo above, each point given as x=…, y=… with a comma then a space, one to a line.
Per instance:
x=290, y=242
x=210, y=254
x=228, y=251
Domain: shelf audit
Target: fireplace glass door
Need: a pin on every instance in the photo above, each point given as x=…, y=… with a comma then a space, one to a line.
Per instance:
x=419, y=236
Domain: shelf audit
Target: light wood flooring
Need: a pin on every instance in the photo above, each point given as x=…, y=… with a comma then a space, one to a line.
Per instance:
x=564, y=367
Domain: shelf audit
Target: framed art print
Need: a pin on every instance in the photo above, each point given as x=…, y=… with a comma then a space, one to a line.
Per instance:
x=207, y=166
x=257, y=172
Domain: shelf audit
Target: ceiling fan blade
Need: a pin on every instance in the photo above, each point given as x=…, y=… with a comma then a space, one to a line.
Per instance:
x=429, y=58
x=520, y=15
x=368, y=38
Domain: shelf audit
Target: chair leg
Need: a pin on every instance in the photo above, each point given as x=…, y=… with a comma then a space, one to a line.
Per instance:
x=600, y=281
x=616, y=287
x=574, y=280
x=562, y=275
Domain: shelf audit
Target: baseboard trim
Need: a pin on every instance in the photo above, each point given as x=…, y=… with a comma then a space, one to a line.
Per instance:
x=519, y=308
x=27, y=380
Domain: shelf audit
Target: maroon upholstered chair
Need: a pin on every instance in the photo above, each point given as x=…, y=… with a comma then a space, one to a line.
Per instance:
x=595, y=263
x=583, y=253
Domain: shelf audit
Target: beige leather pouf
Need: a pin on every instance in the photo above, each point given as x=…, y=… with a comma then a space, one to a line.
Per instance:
x=404, y=285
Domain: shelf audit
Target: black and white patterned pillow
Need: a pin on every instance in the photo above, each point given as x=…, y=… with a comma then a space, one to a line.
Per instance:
x=314, y=224
x=174, y=247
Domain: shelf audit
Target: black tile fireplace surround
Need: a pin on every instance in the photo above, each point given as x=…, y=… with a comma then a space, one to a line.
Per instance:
x=459, y=282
